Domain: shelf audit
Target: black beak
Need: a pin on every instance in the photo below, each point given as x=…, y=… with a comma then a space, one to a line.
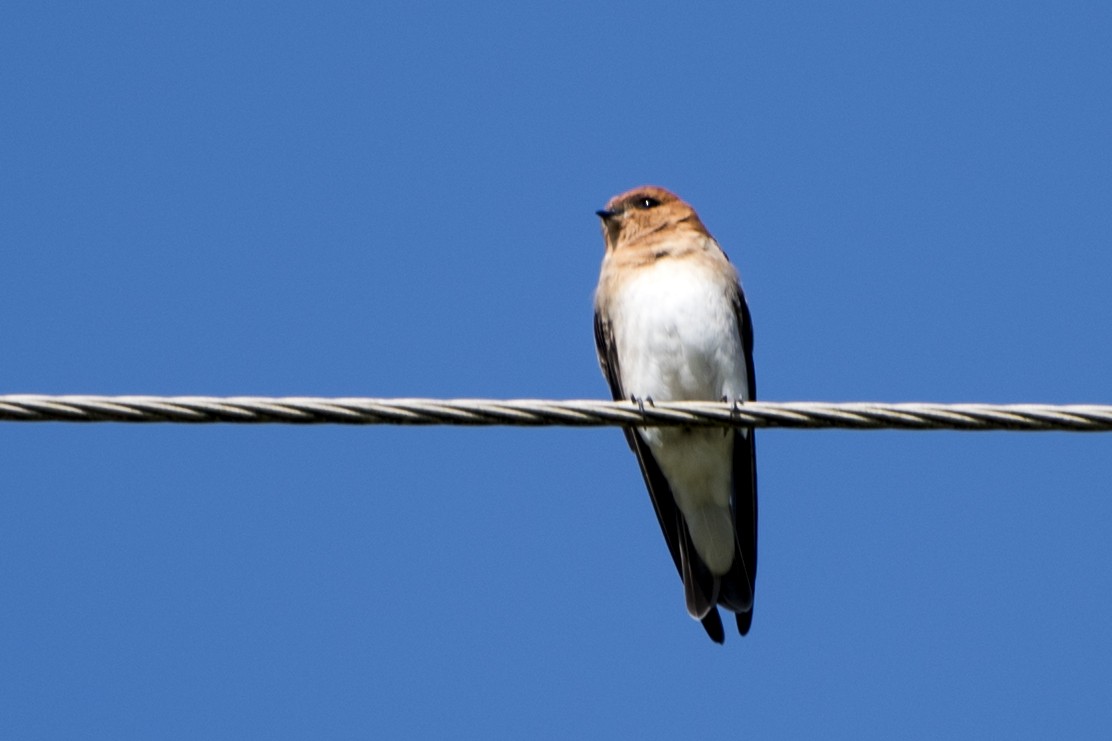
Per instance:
x=606, y=215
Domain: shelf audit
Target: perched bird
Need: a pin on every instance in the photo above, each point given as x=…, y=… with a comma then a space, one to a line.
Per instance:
x=671, y=324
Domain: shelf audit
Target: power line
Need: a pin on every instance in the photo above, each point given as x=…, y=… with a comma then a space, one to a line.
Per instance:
x=540, y=413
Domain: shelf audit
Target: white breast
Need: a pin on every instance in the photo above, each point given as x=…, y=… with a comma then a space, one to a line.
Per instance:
x=677, y=335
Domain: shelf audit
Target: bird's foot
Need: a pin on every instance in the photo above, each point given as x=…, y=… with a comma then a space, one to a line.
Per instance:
x=640, y=402
x=735, y=408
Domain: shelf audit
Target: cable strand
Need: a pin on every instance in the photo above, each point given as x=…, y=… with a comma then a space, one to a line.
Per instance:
x=541, y=412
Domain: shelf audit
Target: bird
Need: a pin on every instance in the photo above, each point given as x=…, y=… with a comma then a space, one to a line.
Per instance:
x=672, y=324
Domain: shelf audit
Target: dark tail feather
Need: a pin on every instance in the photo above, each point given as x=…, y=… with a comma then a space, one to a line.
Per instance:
x=736, y=593
x=744, y=620
x=736, y=590
x=700, y=587
x=712, y=624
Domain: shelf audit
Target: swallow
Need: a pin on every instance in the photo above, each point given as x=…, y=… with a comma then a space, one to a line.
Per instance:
x=671, y=324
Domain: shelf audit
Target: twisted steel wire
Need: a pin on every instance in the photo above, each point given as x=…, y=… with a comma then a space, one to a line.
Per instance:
x=539, y=413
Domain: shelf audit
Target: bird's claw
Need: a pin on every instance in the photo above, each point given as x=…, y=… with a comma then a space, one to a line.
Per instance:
x=640, y=402
x=735, y=409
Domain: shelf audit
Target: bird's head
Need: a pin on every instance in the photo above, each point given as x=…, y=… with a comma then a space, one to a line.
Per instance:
x=642, y=211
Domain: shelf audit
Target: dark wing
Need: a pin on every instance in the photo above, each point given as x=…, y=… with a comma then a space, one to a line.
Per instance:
x=738, y=584
x=607, y=351
x=699, y=584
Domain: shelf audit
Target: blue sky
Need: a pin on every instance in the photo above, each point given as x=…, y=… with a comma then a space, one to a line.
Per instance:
x=397, y=200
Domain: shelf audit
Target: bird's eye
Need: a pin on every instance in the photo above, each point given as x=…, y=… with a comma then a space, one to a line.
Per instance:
x=646, y=203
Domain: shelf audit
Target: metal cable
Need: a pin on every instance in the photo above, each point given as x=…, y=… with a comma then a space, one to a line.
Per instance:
x=540, y=413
